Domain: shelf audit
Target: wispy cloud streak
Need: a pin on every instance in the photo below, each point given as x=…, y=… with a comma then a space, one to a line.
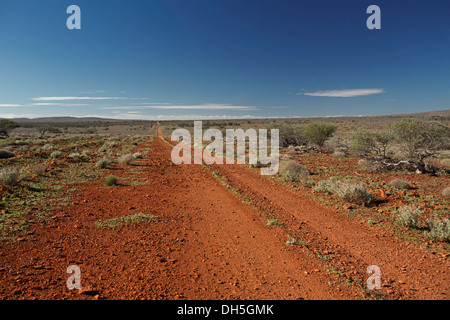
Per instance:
x=347, y=93
x=84, y=98
x=184, y=107
x=8, y=105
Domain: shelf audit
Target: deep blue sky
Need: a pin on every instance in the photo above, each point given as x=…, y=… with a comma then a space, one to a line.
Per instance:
x=234, y=58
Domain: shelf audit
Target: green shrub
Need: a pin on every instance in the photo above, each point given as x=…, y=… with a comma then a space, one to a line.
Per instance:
x=6, y=126
x=408, y=216
x=419, y=138
x=439, y=229
x=364, y=142
x=400, y=184
x=288, y=135
x=111, y=180
x=318, y=132
x=9, y=176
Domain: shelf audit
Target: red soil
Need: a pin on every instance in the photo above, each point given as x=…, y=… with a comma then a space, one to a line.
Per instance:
x=207, y=244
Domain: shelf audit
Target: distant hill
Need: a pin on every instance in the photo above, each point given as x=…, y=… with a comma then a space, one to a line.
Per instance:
x=63, y=120
x=430, y=114
x=433, y=115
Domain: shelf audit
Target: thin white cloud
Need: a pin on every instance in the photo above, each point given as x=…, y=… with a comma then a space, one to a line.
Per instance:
x=84, y=98
x=15, y=115
x=7, y=105
x=59, y=104
x=184, y=107
x=153, y=103
x=75, y=98
x=346, y=93
x=130, y=116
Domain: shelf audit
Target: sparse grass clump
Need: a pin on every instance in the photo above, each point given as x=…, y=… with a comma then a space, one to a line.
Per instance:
x=446, y=192
x=327, y=186
x=400, y=184
x=371, y=166
x=103, y=163
x=137, y=155
x=23, y=148
x=353, y=193
x=408, y=216
x=292, y=170
x=48, y=146
x=445, y=162
x=74, y=156
x=110, y=180
x=346, y=191
x=119, y=221
x=339, y=154
x=9, y=176
x=86, y=153
x=107, y=145
x=39, y=169
x=56, y=154
x=273, y=222
x=291, y=241
x=439, y=229
x=126, y=159
x=111, y=143
x=306, y=181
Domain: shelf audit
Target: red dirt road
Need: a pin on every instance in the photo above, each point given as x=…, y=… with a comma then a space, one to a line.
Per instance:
x=207, y=244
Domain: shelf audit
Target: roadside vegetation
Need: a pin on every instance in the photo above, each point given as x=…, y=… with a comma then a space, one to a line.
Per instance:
x=367, y=168
x=38, y=174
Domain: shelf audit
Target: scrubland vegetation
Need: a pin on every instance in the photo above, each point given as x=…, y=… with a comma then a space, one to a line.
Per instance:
x=359, y=163
x=39, y=168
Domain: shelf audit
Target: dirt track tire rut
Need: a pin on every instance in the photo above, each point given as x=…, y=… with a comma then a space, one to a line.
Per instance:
x=408, y=272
